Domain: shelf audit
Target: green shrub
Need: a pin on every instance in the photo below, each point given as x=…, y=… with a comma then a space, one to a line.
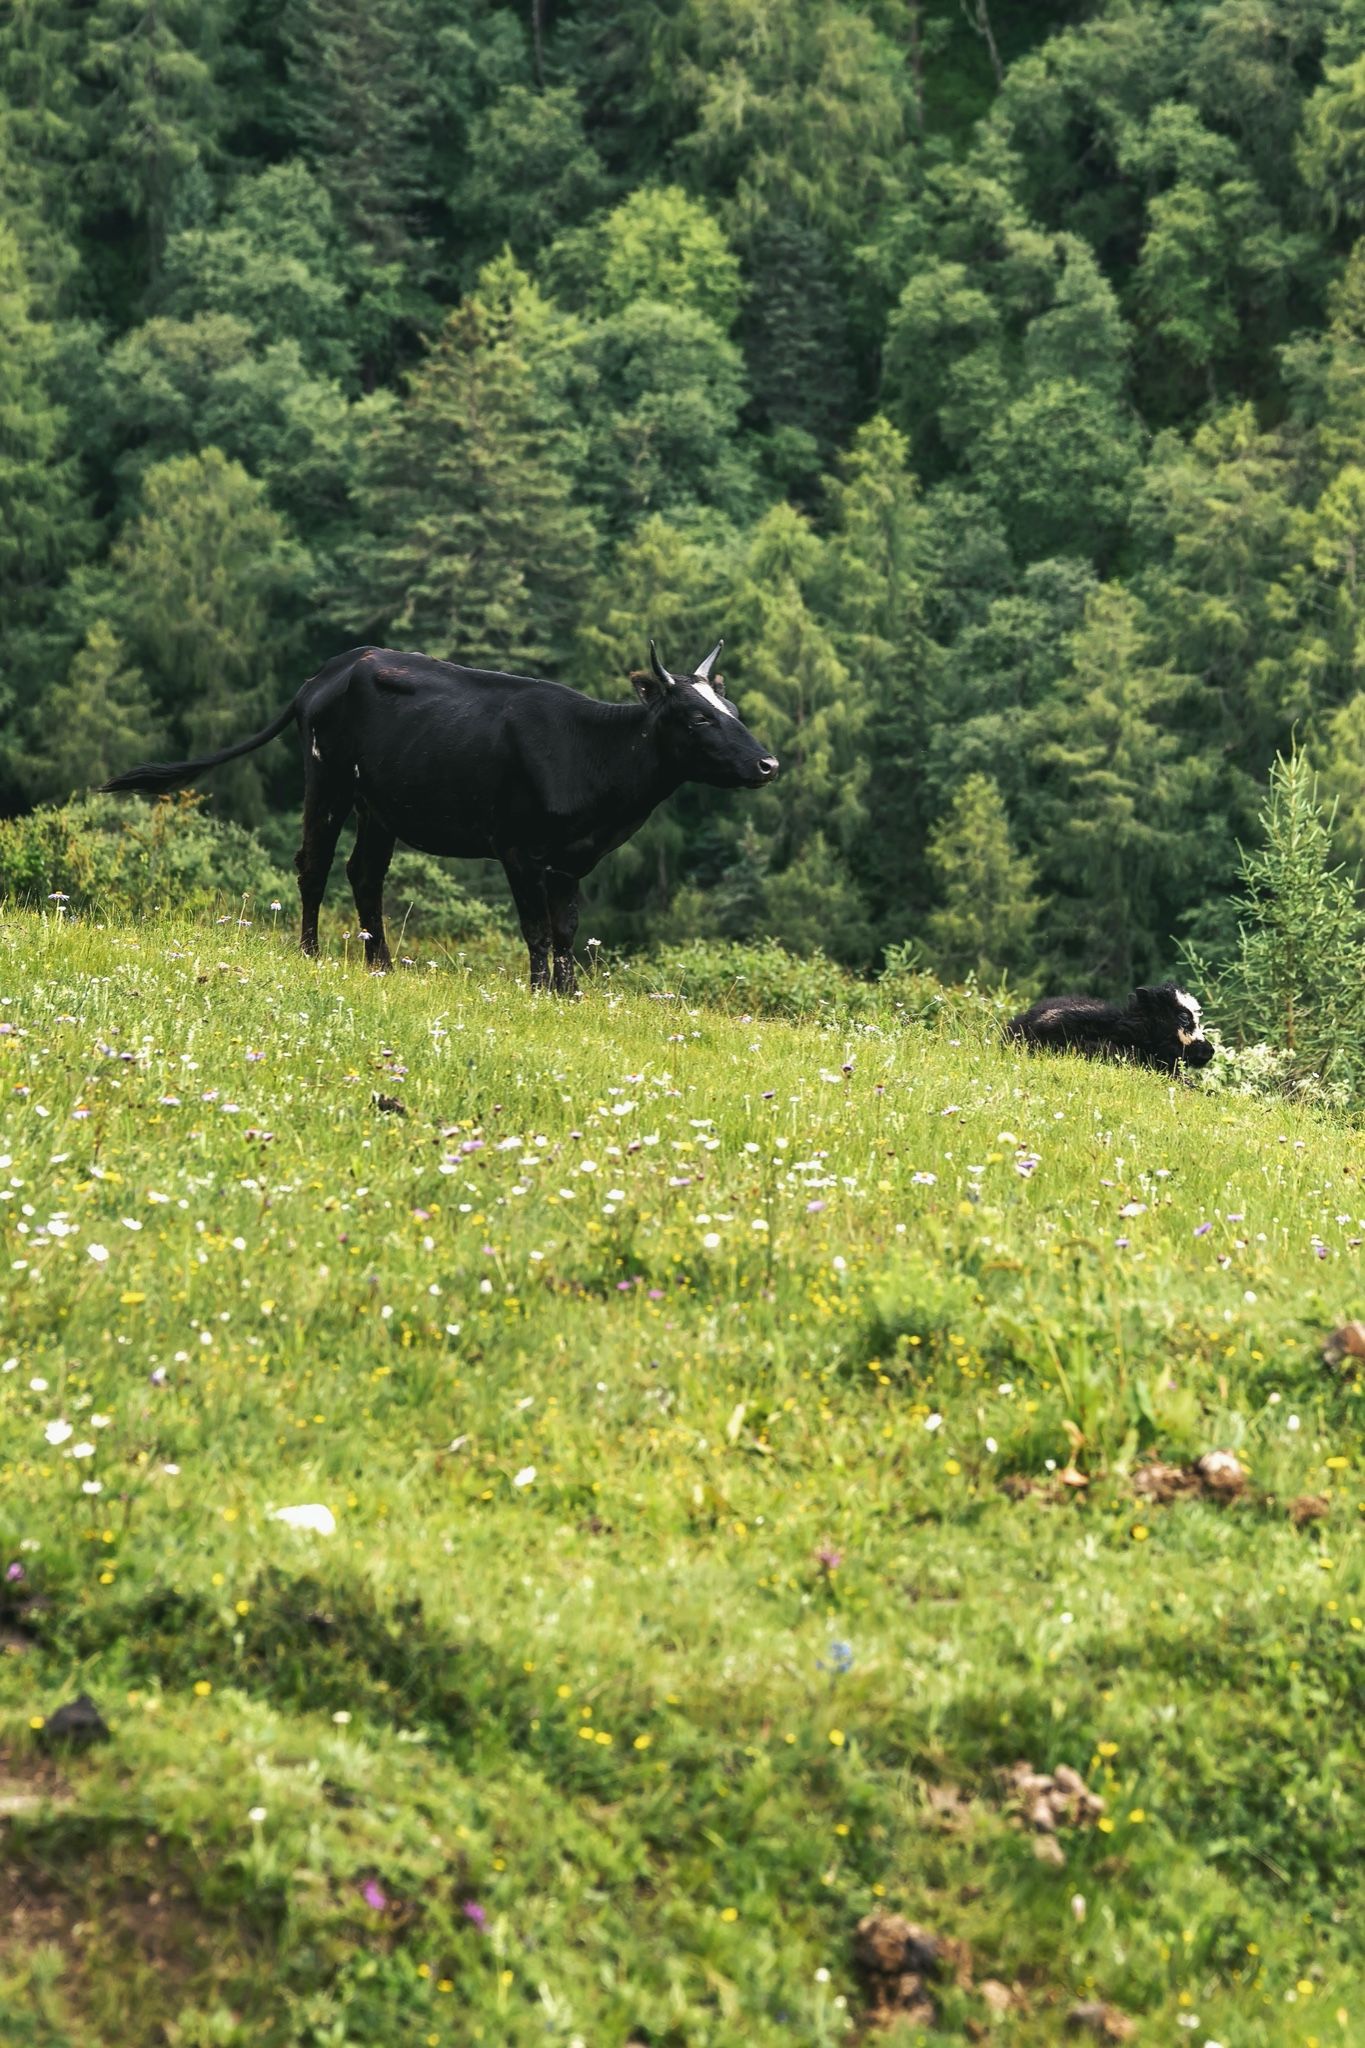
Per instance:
x=106, y=857
x=109, y=858
x=761, y=978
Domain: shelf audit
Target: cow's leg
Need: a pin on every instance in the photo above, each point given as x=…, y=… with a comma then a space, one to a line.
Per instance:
x=366, y=869
x=528, y=890
x=326, y=806
x=561, y=894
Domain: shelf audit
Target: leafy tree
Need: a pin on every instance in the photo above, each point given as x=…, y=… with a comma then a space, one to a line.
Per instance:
x=1331, y=147
x=1337, y=756
x=276, y=261
x=987, y=908
x=669, y=392
x=872, y=590
x=795, y=100
x=172, y=385
x=663, y=246
x=812, y=709
x=1128, y=818
x=797, y=345
x=529, y=171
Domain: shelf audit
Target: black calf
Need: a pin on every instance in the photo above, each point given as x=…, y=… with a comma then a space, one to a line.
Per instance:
x=1157, y=1027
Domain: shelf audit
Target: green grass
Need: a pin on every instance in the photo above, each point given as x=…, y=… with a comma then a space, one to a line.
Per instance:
x=719, y=1319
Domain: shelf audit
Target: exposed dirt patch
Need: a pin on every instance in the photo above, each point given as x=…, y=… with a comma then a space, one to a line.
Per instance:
x=1102, y=2022
x=1309, y=1507
x=899, y=1963
x=147, y=1936
x=1047, y=1801
x=1217, y=1475
x=29, y=1784
x=1345, y=1347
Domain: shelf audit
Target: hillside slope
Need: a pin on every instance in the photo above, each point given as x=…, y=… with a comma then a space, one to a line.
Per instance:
x=660, y=1371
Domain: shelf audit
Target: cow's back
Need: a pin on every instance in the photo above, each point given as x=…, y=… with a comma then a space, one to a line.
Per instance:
x=455, y=760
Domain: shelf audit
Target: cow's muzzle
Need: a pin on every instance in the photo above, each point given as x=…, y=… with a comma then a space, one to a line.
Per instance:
x=767, y=768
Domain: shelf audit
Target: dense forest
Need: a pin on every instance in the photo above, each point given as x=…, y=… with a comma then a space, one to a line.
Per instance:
x=991, y=376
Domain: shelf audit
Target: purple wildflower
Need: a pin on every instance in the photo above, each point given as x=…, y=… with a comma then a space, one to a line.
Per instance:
x=474, y=1912
x=14, y=1571
x=828, y=1559
x=1202, y=1229
x=373, y=1896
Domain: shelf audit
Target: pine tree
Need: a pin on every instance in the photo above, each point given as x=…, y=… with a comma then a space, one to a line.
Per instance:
x=100, y=720
x=203, y=589
x=1125, y=827
x=872, y=590
x=475, y=549
x=796, y=341
x=159, y=106
x=987, y=912
x=44, y=524
x=1298, y=976
x=375, y=95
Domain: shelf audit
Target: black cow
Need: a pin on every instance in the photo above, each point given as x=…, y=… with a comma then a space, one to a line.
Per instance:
x=469, y=761
x=1157, y=1027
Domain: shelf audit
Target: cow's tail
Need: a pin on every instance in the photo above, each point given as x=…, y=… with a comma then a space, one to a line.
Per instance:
x=154, y=778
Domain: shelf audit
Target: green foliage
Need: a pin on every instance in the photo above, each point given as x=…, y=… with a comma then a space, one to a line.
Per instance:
x=663, y=246
x=1297, y=977
x=993, y=380
x=474, y=545
x=985, y=919
x=97, y=722
x=44, y=523
x=100, y=860
x=191, y=589
x=158, y=102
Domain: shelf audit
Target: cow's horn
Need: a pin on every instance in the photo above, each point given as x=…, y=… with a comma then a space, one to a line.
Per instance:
x=660, y=671
x=704, y=668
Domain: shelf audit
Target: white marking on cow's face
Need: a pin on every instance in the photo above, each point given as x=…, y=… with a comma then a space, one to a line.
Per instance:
x=1188, y=1002
x=716, y=703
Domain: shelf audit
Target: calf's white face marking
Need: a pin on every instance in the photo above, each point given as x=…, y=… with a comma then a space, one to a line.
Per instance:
x=716, y=703
x=1196, y=1036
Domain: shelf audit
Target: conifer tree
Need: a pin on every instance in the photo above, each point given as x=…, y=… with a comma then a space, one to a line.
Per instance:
x=44, y=523
x=98, y=721
x=474, y=548
x=987, y=907
x=158, y=104
x=1297, y=978
x=203, y=589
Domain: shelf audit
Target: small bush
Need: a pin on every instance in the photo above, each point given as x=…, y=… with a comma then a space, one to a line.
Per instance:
x=108, y=858
x=762, y=978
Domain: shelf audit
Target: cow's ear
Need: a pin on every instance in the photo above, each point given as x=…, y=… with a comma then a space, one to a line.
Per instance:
x=1152, y=998
x=718, y=685
x=647, y=687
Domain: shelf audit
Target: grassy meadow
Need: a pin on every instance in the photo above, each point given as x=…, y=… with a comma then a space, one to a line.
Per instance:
x=728, y=1430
